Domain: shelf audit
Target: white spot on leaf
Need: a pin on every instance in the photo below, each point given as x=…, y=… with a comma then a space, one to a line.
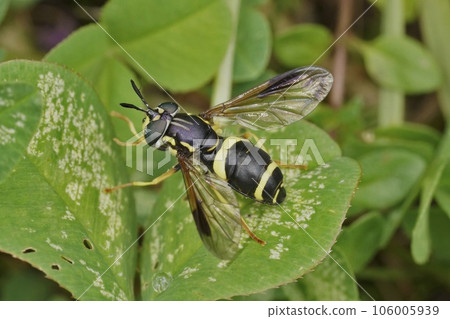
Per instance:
x=74, y=131
x=54, y=246
x=223, y=263
x=74, y=190
x=188, y=271
x=68, y=216
x=7, y=135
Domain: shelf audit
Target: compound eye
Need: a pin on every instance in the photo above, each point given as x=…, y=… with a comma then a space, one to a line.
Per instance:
x=143, y=120
x=154, y=131
x=169, y=107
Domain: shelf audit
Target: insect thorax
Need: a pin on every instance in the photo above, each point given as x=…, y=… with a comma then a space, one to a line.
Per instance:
x=189, y=134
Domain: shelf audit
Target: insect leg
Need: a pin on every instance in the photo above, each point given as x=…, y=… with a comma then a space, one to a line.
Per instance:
x=285, y=165
x=252, y=235
x=259, y=142
x=137, y=142
x=126, y=119
x=132, y=129
x=155, y=181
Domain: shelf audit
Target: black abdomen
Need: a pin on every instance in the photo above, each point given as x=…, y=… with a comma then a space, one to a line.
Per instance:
x=249, y=170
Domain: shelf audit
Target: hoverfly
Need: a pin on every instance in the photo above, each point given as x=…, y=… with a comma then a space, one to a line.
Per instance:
x=211, y=180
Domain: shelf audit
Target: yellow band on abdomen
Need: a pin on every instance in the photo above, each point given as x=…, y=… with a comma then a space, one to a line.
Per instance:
x=264, y=179
x=221, y=156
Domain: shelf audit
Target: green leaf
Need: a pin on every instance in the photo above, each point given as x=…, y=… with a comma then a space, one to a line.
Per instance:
x=396, y=216
x=402, y=63
x=346, y=123
x=176, y=266
x=388, y=176
x=110, y=76
x=22, y=4
x=254, y=2
x=253, y=44
x=420, y=243
x=2, y=54
x=410, y=132
x=112, y=80
x=94, y=42
x=435, y=27
x=3, y=9
x=302, y=45
x=55, y=214
x=114, y=88
x=20, y=111
x=439, y=234
x=419, y=139
x=180, y=44
x=443, y=191
x=361, y=240
x=333, y=279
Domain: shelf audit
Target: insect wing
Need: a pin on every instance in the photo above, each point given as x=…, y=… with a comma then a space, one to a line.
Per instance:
x=214, y=208
x=277, y=102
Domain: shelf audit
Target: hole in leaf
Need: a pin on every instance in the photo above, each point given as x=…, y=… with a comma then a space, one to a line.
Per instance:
x=56, y=267
x=87, y=243
x=28, y=250
x=70, y=261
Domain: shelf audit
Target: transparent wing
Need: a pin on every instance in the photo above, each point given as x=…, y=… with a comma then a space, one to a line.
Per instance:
x=277, y=102
x=214, y=208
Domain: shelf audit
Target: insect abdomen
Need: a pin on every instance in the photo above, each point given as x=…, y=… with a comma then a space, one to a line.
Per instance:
x=249, y=170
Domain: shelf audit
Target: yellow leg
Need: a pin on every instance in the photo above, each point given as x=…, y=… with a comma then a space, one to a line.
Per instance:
x=248, y=135
x=259, y=142
x=137, y=142
x=156, y=181
x=252, y=235
x=127, y=120
x=132, y=129
x=304, y=167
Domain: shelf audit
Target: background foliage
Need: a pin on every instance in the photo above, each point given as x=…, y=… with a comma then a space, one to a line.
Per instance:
x=388, y=111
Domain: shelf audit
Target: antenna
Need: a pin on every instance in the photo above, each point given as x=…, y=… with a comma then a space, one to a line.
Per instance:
x=132, y=106
x=139, y=93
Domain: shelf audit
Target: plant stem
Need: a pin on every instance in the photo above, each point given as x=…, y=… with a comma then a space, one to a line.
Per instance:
x=224, y=79
x=340, y=55
x=392, y=102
